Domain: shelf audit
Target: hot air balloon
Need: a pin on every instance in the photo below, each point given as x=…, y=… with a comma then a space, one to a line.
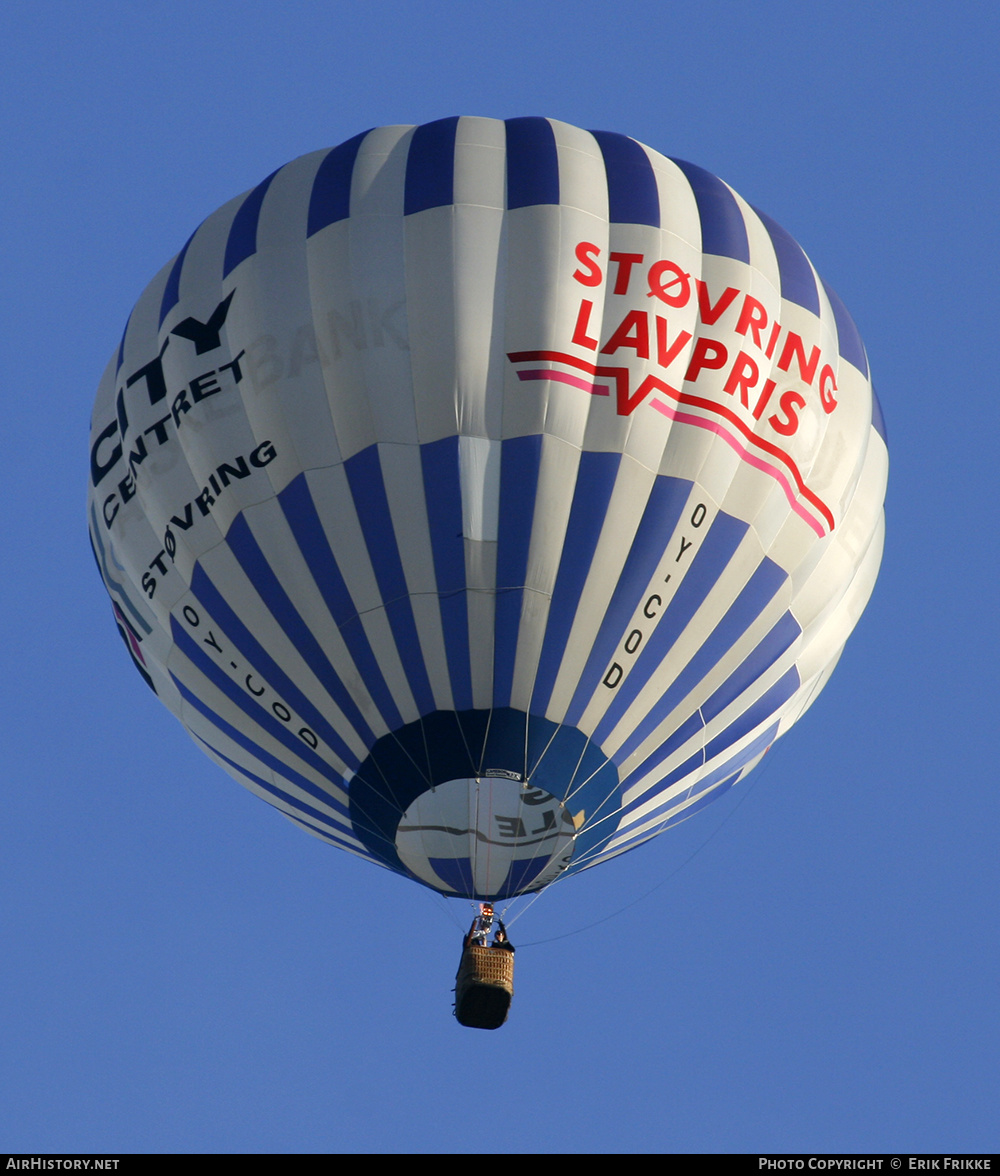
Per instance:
x=487, y=496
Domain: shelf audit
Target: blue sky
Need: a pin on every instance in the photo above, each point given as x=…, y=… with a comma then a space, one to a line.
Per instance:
x=817, y=968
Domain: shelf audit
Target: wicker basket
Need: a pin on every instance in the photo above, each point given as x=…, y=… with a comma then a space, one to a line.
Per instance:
x=484, y=987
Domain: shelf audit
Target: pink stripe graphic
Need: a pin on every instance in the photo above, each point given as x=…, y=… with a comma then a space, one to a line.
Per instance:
x=127, y=630
x=563, y=378
x=687, y=419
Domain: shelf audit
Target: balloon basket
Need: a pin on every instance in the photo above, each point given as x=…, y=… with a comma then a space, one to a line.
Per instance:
x=484, y=987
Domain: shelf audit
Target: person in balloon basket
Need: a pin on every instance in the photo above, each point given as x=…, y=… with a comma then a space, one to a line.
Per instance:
x=500, y=940
x=482, y=924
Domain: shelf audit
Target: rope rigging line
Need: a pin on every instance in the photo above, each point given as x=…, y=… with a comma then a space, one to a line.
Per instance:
x=673, y=873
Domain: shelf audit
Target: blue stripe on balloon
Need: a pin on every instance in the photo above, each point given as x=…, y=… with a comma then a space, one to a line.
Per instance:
x=520, y=459
x=878, y=420
x=595, y=483
x=303, y=519
x=709, y=562
x=798, y=282
x=279, y=766
x=848, y=337
x=633, y=194
x=741, y=614
x=326, y=835
x=690, y=765
x=753, y=716
x=758, y=712
x=522, y=873
x=171, y=291
x=332, y=830
x=206, y=593
x=661, y=515
x=713, y=791
x=443, y=493
x=330, y=200
x=532, y=162
x=430, y=166
x=778, y=641
x=686, y=731
x=764, y=655
x=268, y=587
x=723, y=231
x=454, y=872
x=364, y=475
x=709, y=787
x=258, y=715
x=121, y=345
x=242, y=242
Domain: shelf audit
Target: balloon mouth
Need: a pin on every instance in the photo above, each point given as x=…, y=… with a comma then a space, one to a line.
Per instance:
x=487, y=836
x=484, y=804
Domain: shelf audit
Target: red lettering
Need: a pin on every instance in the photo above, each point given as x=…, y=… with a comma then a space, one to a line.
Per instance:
x=707, y=354
x=775, y=332
x=586, y=255
x=582, y=322
x=665, y=355
x=743, y=375
x=623, y=336
x=790, y=402
x=752, y=316
x=627, y=404
x=762, y=399
x=793, y=346
x=709, y=313
x=669, y=283
x=827, y=387
x=625, y=263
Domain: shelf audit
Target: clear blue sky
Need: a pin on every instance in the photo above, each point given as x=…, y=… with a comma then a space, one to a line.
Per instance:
x=183, y=970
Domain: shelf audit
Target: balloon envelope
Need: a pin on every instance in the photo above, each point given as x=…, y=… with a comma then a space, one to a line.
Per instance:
x=487, y=496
